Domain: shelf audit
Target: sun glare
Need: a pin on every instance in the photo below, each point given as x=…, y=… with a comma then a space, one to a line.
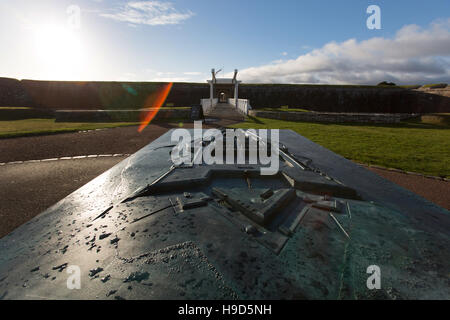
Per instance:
x=59, y=51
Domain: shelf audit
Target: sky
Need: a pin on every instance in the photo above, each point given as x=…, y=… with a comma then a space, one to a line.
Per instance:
x=282, y=41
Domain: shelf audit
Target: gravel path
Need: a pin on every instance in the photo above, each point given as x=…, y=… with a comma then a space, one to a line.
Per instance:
x=436, y=191
x=107, y=141
x=24, y=195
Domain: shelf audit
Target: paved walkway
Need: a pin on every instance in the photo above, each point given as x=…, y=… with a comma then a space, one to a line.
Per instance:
x=107, y=141
x=437, y=191
x=31, y=188
x=225, y=111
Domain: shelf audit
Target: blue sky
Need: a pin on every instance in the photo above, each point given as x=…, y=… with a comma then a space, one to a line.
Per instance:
x=268, y=41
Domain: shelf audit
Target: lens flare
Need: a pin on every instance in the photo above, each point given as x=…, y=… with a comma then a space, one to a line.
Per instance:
x=148, y=115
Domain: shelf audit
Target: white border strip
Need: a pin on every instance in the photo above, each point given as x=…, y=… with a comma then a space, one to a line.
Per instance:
x=403, y=172
x=68, y=158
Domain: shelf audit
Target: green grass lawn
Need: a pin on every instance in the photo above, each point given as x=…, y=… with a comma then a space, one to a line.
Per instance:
x=32, y=124
x=435, y=85
x=410, y=146
x=16, y=128
x=15, y=108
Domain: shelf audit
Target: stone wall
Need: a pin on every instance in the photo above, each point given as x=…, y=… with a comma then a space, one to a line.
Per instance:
x=69, y=95
x=344, y=98
x=12, y=94
x=72, y=95
x=334, y=117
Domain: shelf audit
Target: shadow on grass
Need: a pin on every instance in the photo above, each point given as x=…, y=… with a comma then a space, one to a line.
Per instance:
x=255, y=120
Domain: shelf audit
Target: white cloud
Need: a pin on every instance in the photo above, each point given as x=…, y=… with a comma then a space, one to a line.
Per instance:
x=165, y=73
x=171, y=79
x=413, y=55
x=193, y=73
x=149, y=13
x=149, y=74
x=178, y=77
x=284, y=53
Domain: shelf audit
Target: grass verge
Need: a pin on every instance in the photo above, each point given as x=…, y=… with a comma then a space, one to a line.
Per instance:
x=410, y=146
x=29, y=127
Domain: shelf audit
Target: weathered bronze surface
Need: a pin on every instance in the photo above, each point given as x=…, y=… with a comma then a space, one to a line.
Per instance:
x=147, y=230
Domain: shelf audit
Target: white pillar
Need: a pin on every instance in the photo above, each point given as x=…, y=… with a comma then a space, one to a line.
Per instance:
x=211, y=93
x=236, y=90
x=211, y=88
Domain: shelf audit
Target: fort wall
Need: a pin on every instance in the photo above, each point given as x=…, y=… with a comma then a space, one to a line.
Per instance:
x=67, y=95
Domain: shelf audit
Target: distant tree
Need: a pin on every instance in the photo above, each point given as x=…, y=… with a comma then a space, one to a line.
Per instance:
x=385, y=83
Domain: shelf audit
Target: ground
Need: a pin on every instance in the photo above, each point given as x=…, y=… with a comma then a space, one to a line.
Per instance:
x=436, y=191
x=25, y=193
x=111, y=141
x=24, y=121
x=28, y=127
x=22, y=189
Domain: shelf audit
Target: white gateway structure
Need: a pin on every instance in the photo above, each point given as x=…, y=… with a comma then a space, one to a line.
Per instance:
x=223, y=94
